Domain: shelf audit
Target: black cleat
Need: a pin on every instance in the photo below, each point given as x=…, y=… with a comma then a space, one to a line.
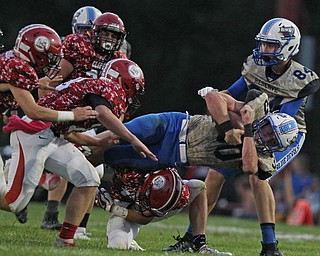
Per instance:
x=184, y=244
x=50, y=221
x=270, y=250
x=22, y=216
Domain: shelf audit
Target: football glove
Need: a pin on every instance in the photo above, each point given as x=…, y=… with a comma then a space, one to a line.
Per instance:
x=103, y=199
x=203, y=92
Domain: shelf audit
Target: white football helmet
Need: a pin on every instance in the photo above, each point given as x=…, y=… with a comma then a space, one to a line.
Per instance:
x=282, y=33
x=284, y=127
x=83, y=18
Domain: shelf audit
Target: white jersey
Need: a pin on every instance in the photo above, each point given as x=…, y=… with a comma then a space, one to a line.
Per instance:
x=297, y=82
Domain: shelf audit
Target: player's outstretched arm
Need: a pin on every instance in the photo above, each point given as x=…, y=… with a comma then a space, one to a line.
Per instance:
x=36, y=112
x=111, y=122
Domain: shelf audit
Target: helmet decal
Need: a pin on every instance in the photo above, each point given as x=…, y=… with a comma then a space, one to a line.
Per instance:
x=134, y=71
x=41, y=44
x=158, y=182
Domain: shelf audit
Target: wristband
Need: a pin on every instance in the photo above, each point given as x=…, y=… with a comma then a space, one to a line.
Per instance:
x=65, y=116
x=248, y=132
x=224, y=127
x=119, y=211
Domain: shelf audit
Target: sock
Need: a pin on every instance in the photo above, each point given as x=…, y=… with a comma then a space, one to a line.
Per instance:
x=189, y=230
x=53, y=206
x=67, y=231
x=198, y=241
x=268, y=233
x=84, y=221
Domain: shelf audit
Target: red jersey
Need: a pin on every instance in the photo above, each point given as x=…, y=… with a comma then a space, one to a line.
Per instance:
x=72, y=94
x=79, y=51
x=18, y=73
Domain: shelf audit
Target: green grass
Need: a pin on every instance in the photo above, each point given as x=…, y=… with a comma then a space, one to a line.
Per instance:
x=241, y=237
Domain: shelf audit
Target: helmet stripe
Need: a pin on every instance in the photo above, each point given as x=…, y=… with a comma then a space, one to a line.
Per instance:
x=91, y=14
x=268, y=26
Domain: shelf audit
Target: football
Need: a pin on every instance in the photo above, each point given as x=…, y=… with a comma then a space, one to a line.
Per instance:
x=49, y=181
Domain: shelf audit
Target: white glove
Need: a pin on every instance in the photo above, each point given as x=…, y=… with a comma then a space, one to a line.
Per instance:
x=103, y=199
x=203, y=92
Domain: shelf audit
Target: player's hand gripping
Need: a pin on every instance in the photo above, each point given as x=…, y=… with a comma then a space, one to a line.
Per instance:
x=84, y=113
x=103, y=199
x=203, y=92
x=246, y=114
x=233, y=136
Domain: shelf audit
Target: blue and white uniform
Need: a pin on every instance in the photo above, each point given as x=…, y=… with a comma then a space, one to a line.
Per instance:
x=287, y=93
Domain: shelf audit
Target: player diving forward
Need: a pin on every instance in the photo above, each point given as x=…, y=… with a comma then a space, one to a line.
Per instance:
x=181, y=140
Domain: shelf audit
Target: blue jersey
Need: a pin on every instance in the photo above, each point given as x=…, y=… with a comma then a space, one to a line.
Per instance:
x=160, y=132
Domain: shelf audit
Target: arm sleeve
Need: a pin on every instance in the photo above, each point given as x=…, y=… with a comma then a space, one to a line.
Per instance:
x=95, y=100
x=238, y=88
x=291, y=108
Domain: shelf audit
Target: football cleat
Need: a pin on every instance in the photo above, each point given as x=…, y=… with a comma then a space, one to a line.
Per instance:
x=60, y=242
x=81, y=233
x=135, y=246
x=184, y=244
x=270, y=250
x=22, y=216
x=206, y=250
x=49, y=181
x=50, y=221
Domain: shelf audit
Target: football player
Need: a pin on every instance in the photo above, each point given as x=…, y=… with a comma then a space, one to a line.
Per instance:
x=179, y=140
x=97, y=38
x=37, y=51
x=182, y=140
x=271, y=70
x=138, y=197
x=109, y=96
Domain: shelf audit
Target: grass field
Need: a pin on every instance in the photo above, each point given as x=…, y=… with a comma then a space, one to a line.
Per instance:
x=241, y=237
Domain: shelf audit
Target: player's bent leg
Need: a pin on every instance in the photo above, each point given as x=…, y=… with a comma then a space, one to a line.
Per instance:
x=214, y=183
x=121, y=233
x=264, y=199
x=71, y=164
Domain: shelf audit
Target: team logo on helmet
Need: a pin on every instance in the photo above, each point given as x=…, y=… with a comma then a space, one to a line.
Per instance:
x=134, y=71
x=287, y=31
x=158, y=182
x=41, y=44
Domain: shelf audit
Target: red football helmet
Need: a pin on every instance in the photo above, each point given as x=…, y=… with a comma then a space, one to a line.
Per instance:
x=127, y=73
x=39, y=45
x=163, y=191
x=108, y=22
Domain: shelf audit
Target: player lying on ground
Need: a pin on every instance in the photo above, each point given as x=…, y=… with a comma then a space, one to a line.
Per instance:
x=138, y=197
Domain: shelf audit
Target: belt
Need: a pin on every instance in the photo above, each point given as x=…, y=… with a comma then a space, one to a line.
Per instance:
x=183, y=139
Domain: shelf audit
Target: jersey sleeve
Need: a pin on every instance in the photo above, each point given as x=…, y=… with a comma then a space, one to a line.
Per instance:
x=238, y=88
x=20, y=74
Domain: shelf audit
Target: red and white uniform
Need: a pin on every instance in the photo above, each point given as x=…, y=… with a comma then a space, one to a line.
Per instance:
x=44, y=150
x=79, y=51
x=125, y=186
x=16, y=72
